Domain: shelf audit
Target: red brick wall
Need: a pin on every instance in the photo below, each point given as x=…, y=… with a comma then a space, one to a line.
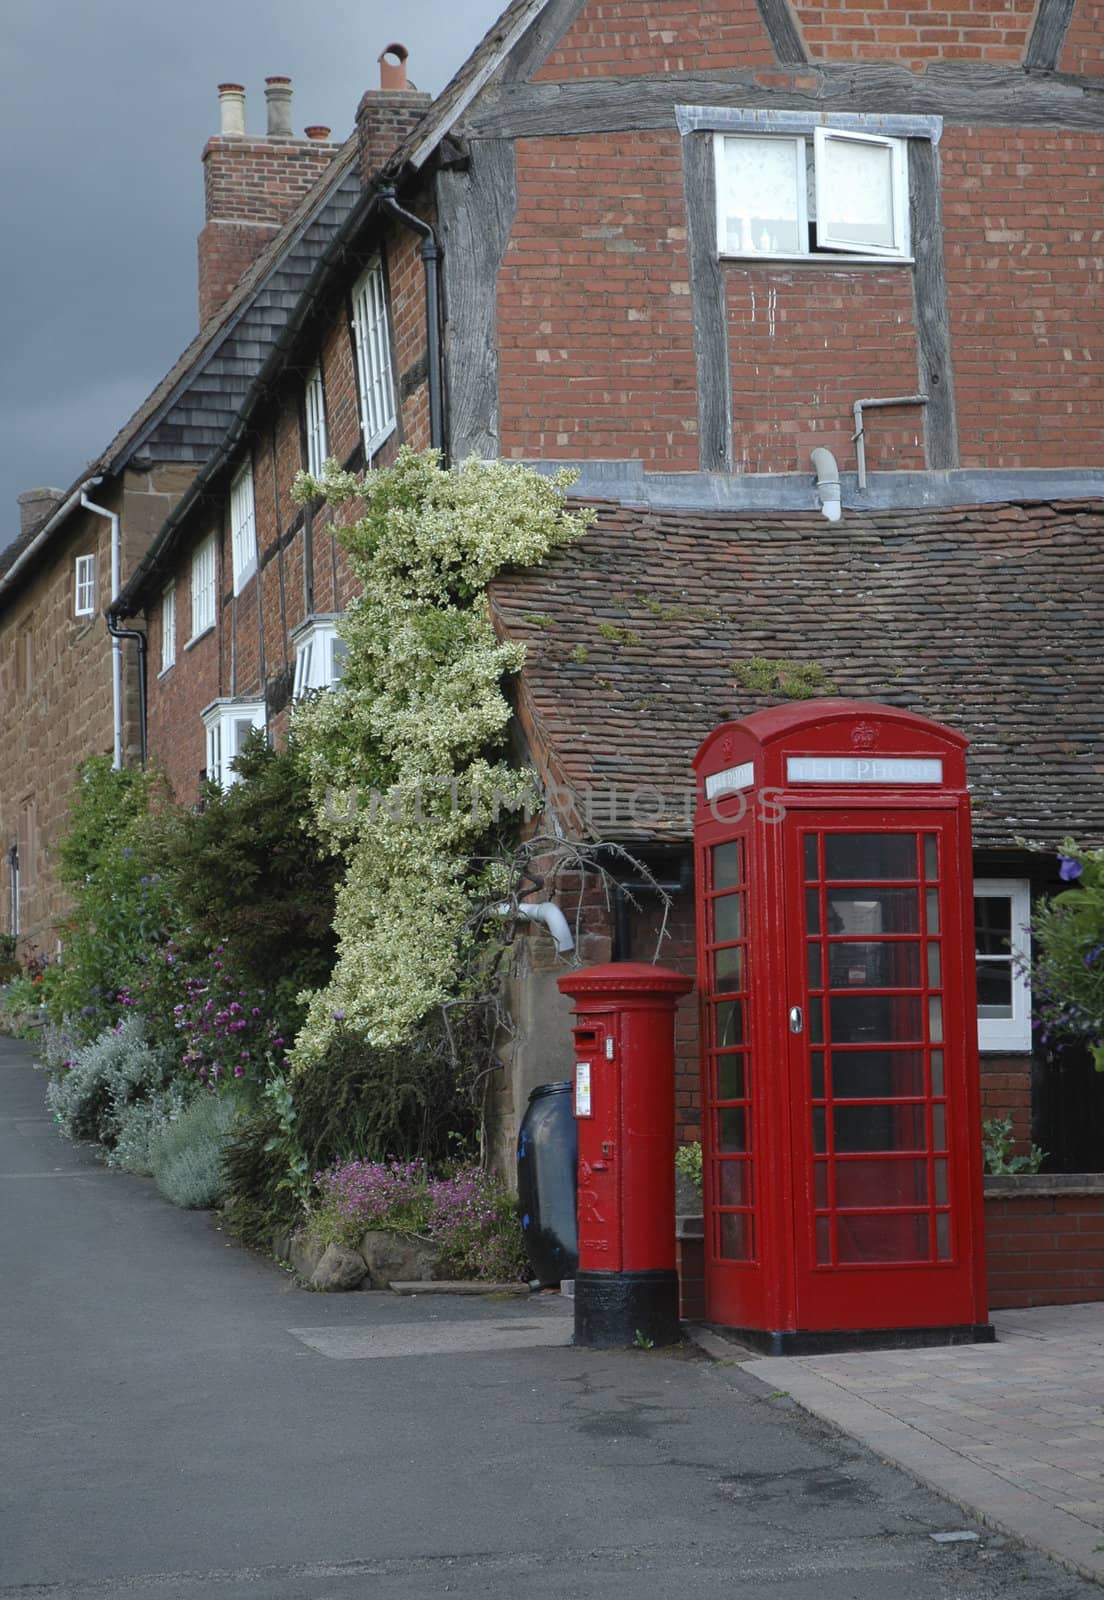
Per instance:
x=1084, y=47
x=596, y=354
x=619, y=38
x=1021, y=281
x=1044, y=1249
x=915, y=31
x=804, y=344
x=1006, y=1090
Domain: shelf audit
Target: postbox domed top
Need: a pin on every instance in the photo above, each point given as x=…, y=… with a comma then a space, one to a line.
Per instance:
x=630, y=978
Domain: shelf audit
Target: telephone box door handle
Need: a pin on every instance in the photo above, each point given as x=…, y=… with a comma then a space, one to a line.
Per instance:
x=797, y=1020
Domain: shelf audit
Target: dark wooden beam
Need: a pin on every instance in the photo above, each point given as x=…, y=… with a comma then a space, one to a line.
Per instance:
x=708, y=305
x=1048, y=35
x=476, y=216
x=532, y=49
x=929, y=292
x=1001, y=96
x=784, y=34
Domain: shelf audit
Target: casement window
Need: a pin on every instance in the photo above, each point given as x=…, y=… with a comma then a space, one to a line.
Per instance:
x=372, y=338
x=168, y=627
x=84, y=587
x=319, y=655
x=315, y=405
x=830, y=192
x=227, y=725
x=243, y=527
x=1002, y=944
x=203, y=587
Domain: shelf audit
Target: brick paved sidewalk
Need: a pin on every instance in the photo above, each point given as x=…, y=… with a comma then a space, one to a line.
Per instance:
x=1012, y=1432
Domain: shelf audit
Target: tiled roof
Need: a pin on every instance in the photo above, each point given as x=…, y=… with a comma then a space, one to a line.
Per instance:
x=657, y=627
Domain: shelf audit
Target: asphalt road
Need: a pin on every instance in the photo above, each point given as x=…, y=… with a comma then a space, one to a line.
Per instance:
x=180, y=1422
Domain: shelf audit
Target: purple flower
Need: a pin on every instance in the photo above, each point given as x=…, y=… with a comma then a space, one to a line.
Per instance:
x=338, y=1016
x=1069, y=868
x=1093, y=955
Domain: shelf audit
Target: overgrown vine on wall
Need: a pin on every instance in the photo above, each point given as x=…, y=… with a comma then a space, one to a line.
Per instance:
x=407, y=773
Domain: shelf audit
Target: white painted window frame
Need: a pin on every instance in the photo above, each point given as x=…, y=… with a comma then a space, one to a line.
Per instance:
x=1011, y=1034
x=84, y=587
x=314, y=397
x=372, y=341
x=243, y=526
x=204, y=572
x=318, y=654
x=168, y=626
x=227, y=723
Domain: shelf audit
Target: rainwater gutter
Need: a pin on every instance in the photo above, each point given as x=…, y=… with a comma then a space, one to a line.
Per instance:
x=858, y=438
x=431, y=259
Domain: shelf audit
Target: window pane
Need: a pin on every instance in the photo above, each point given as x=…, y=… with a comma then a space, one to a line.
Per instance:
x=874, y=966
x=943, y=1236
x=762, y=192
x=992, y=924
x=728, y=918
x=732, y=1183
x=881, y=1183
x=994, y=986
x=869, y=855
x=884, y=1238
x=823, y=1242
x=728, y=1023
x=735, y=1236
x=812, y=910
x=935, y=1019
x=855, y=192
x=873, y=911
x=933, y=911
x=935, y=977
x=875, y=1019
x=877, y=1074
x=899, y=1127
x=730, y=1077
x=726, y=865
x=810, y=846
x=816, y=1071
x=732, y=1130
x=815, y=974
x=931, y=856
x=728, y=969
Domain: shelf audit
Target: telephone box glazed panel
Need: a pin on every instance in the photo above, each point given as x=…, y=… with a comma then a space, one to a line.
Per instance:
x=841, y=1125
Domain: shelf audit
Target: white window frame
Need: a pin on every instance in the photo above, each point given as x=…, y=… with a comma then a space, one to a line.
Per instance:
x=168, y=626
x=243, y=526
x=84, y=587
x=319, y=650
x=372, y=339
x=315, y=407
x=226, y=723
x=204, y=571
x=14, y=906
x=1012, y=1034
x=831, y=247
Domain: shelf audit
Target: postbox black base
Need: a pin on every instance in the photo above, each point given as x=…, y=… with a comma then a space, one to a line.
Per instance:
x=797, y=1342
x=625, y=1308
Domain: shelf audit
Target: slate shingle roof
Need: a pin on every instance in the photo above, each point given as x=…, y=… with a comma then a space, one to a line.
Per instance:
x=656, y=627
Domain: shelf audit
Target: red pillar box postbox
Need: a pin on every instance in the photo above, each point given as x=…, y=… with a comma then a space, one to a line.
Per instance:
x=840, y=1101
x=626, y=1287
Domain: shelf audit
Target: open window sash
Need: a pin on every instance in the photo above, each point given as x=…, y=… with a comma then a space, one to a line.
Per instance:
x=861, y=184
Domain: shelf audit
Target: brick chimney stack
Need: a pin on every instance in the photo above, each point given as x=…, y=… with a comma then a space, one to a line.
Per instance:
x=36, y=506
x=388, y=114
x=251, y=187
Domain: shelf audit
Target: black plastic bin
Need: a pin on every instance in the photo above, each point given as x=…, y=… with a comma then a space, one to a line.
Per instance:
x=547, y=1157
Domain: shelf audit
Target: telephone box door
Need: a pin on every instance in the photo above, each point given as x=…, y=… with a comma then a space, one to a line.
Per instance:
x=878, y=1081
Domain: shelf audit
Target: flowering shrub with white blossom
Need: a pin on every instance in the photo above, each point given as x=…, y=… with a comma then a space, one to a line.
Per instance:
x=404, y=761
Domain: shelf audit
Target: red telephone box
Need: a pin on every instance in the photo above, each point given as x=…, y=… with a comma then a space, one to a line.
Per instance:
x=840, y=1102
x=626, y=1286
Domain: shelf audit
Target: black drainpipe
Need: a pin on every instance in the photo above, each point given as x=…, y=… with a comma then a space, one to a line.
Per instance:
x=133, y=633
x=431, y=257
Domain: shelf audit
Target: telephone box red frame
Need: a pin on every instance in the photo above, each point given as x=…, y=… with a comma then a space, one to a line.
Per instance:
x=840, y=1092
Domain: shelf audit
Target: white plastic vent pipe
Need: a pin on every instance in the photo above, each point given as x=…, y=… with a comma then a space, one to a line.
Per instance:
x=551, y=916
x=827, y=483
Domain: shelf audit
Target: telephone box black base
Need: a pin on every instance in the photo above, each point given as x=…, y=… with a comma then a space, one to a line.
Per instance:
x=805, y=1343
x=626, y=1308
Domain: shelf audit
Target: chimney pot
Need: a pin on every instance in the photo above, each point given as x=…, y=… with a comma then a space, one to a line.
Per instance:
x=278, y=102
x=316, y=131
x=393, y=73
x=232, y=110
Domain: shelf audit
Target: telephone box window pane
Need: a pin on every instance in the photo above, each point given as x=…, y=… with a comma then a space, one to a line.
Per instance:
x=823, y=1242
x=732, y=1130
x=726, y=865
x=816, y=1021
x=728, y=1023
x=820, y=1185
x=879, y=1128
x=931, y=856
x=861, y=856
x=933, y=911
x=812, y=911
x=732, y=1183
x=816, y=976
x=864, y=1184
x=942, y=1236
x=939, y=1127
x=811, y=863
x=877, y=1074
x=871, y=912
x=728, y=969
x=937, y=1071
x=935, y=1019
x=728, y=918
x=731, y=1077
x=874, y=966
x=883, y=1238
x=875, y=1018
x=735, y=1236
x=941, y=1183
x=994, y=988
x=820, y=1135
x=817, y=1070
x=935, y=971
